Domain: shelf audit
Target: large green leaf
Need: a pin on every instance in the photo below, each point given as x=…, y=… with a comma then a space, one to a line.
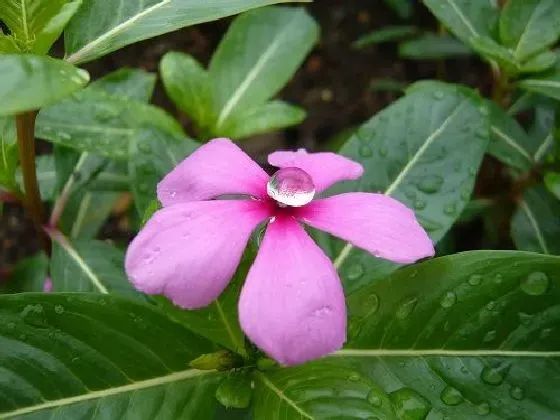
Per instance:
x=135, y=84
x=258, y=55
x=218, y=321
x=88, y=266
x=84, y=355
x=510, y=143
x=535, y=226
x=153, y=155
x=424, y=150
x=188, y=84
x=547, y=85
x=95, y=121
x=461, y=337
x=465, y=18
x=30, y=82
x=36, y=24
x=100, y=27
x=529, y=26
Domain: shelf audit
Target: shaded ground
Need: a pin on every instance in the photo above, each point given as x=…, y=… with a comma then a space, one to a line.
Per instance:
x=332, y=85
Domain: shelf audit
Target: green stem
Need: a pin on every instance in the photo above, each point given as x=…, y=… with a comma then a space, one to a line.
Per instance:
x=501, y=89
x=25, y=124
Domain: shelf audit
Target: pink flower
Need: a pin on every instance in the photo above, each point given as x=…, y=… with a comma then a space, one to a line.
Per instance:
x=47, y=285
x=292, y=304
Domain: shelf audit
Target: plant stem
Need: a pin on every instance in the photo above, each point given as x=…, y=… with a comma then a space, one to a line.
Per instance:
x=501, y=88
x=25, y=124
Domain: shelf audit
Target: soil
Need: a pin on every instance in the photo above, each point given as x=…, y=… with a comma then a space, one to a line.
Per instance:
x=333, y=85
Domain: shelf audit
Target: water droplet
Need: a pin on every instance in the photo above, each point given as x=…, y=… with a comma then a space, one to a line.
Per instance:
x=291, y=187
x=430, y=184
x=451, y=396
x=410, y=405
x=374, y=398
x=419, y=204
x=354, y=377
x=355, y=271
x=483, y=409
x=368, y=306
x=366, y=133
x=525, y=319
x=438, y=94
x=483, y=111
x=406, y=308
x=448, y=300
x=59, y=309
x=383, y=151
x=34, y=315
x=465, y=195
x=535, y=284
x=494, y=375
x=475, y=279
x=489, y=336
x=365, y=150
x=144, y=147
x=516, y=393
x=545, y=333
x=62, y=135
x=450, y=209
x=491, y=305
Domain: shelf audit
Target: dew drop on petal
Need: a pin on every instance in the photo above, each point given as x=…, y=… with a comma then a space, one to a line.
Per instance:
x=291, y=187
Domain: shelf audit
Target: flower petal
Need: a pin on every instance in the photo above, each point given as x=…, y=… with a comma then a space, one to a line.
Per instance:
x=292, y=304
x=325, y=168
x=217, y=168
x=375, y=222
x=190, y=251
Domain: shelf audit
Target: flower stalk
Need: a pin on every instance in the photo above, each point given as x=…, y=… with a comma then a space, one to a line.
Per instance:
x=25, y=124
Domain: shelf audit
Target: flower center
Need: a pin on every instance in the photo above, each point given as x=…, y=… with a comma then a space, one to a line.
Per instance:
x=291, y=187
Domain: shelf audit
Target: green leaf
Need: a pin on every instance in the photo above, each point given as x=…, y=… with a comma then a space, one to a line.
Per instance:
x=492, y=51
x=529, y=26
x=542, y=131
x=509, y=141
x=81, y=355
x=153, y=154
x=465, y=18
x=100, y=28
x=258, y=55
x=44, y=166
x=188, y=84
x=535, y=226
x=319, y=390
x=8, y=154
x=29, y=275
x=540, y=62
x=88, y=266
x=270, y=116
x=432, y=46
x=36, y=24
x=552, y=181
x=547, y=85
x=30, y=82
x=218, y=321
x=8, y=44
x=94, y=121
x=385, y=34
x=436, y=129
x=235, y=390
x=135, y=84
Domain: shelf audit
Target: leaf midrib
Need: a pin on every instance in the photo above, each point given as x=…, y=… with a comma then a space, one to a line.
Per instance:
x=525, y=31
x=339, y=260
x=538, y=232
x=512, y=143
x=134, y=386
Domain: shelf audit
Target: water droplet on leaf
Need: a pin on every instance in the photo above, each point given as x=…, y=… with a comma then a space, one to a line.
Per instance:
x=494, y=375
x=535, y=284
x=59, y=309
x=438, y=94
x=451, y=396
x=448, y=300
x=355, y=271
x=516, y=393
x=383, y=151
x=409, y=405
x=365, y=150
x=483, y=409
x=406, y=308
x=374, y=398
x=450, y=209
x=430, y=184
x=475, y=279
x=419, y=204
